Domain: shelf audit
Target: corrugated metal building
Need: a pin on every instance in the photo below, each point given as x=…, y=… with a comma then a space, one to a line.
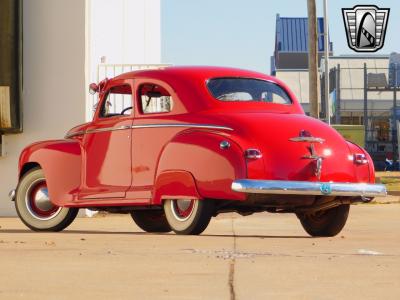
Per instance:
x=291, y=43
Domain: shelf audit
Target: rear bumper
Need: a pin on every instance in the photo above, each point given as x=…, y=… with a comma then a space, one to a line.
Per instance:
x=284, y=187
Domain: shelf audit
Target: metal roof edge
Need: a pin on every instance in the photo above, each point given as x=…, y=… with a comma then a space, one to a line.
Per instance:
x=355, y=56
x=291, y=70
x=295, y=17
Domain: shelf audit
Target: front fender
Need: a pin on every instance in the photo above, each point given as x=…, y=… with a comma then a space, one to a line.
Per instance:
x=214, y=169
x=60, y=161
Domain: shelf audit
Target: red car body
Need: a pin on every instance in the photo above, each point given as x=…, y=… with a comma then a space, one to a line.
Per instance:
x=140, y=159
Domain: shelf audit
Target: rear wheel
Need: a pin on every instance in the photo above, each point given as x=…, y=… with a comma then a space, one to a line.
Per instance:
x=35, y=208
x=326, y=222
x=151, y=220
x=188, y=216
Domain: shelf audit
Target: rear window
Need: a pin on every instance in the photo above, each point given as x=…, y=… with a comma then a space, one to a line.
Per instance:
x=247, y=89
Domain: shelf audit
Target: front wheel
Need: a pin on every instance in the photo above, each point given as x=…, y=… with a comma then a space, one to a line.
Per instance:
x=325, y=223
x=34, y=207
x=188, y=216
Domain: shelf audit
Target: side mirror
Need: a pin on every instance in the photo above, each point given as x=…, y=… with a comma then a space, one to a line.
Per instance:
x=93, y=88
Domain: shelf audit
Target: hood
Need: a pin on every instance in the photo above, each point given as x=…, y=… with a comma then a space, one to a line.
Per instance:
x=288, y=159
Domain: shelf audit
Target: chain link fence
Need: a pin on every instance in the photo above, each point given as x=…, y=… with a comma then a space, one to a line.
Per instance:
x=368, y=96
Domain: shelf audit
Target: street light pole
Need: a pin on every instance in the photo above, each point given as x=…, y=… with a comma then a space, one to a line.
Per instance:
x=326, y=48
x=313, y=59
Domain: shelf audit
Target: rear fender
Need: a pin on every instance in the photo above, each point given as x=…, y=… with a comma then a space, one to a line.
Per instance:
x=366, y=172
x=60, y=161
x=213, y=169
x=175, y=184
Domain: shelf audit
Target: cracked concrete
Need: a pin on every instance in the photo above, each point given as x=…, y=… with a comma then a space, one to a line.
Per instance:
x=263, y=256
x=231, y=280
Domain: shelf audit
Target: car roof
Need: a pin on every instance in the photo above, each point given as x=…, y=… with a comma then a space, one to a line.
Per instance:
x=190, y=80
x=194, y=72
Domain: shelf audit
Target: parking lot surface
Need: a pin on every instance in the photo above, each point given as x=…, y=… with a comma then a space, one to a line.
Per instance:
x=263, y=256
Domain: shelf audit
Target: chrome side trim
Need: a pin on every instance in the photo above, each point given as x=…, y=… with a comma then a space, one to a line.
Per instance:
x=190, y=125
x=81, y=132
x=70, y=135
x=308, y=188
x=187, y=125
x=105, y=129
x=309, y=139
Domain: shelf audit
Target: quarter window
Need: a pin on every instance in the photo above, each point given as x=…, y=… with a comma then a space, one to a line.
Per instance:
x=154, y=99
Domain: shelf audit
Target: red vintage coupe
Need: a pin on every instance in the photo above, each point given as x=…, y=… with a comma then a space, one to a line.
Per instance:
x=176, y=146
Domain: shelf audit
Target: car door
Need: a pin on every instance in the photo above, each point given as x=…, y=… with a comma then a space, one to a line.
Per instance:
x=107, y=145
x=155, y=105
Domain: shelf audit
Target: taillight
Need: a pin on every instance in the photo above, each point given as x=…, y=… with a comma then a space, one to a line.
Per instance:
x=360, y=159
x=252, y=154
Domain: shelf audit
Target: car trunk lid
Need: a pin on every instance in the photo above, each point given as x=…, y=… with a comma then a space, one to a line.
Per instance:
x=296, y=147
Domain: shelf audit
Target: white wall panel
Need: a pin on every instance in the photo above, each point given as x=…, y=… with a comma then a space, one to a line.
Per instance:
x=53, y=81
x=63, y=43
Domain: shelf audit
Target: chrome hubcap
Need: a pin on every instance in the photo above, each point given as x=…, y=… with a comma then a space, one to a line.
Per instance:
x=38, y=201
x=182, y=208
x=42, y=199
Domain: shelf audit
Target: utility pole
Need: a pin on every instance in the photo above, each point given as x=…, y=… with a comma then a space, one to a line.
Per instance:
x=326, y=51
x=313, y=59
x=365, y=104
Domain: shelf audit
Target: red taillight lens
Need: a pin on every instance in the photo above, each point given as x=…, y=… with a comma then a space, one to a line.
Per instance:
x=360, y=159
x=252, y=154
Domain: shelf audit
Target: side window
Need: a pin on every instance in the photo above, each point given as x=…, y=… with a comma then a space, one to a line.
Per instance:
x=118, y=102
x=154, y=99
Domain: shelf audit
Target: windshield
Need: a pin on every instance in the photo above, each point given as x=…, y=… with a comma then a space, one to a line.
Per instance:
x=247, y=89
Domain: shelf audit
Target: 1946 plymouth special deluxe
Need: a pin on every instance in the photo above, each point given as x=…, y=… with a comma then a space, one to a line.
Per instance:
x=174, y=147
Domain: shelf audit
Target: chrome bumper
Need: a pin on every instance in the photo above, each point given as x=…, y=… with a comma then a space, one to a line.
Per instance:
x=11, y=195
x=308, y=188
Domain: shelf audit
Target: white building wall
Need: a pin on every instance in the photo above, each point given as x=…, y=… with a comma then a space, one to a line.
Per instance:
x=125, y=31
x=63, y=42
x=53, y=81
x=122, y=32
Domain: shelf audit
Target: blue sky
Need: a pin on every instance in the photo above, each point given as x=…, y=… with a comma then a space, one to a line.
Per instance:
x=241, y=33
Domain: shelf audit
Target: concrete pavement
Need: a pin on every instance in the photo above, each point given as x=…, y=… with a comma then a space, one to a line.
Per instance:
x=387, y=200
x=263, y=256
